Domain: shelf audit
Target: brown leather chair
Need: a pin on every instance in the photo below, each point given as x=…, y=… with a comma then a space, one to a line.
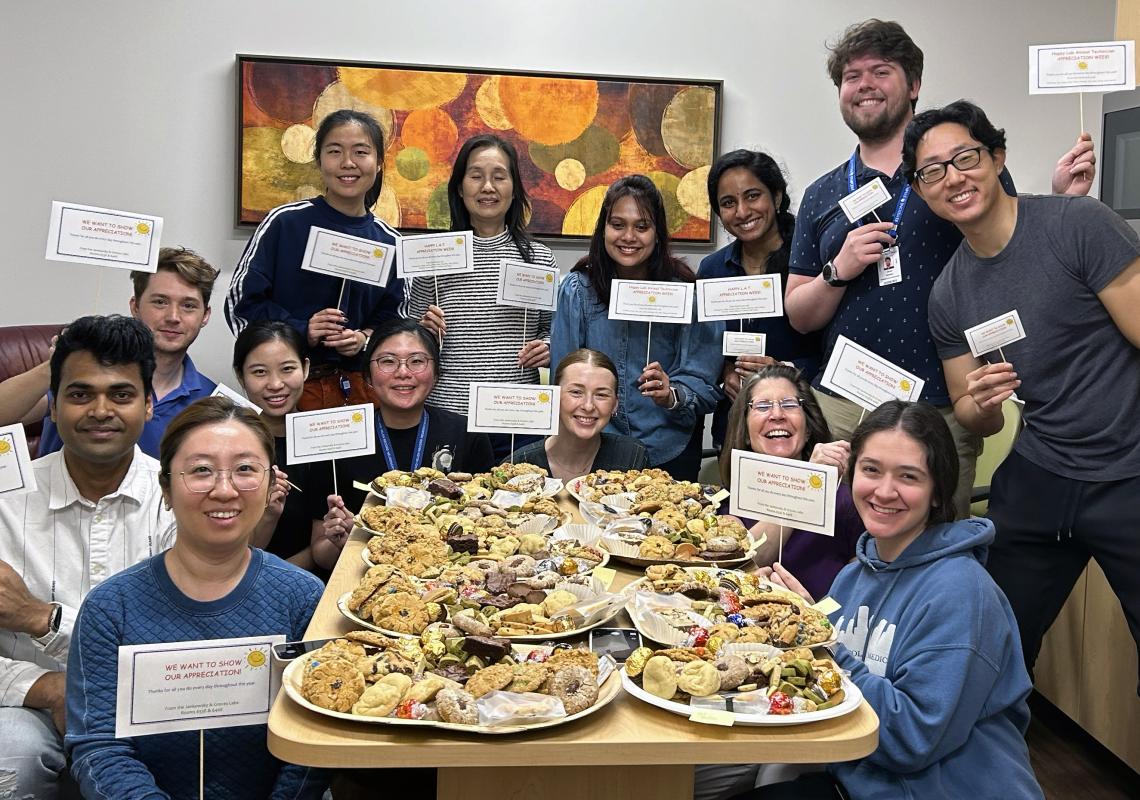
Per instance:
x=21, y=348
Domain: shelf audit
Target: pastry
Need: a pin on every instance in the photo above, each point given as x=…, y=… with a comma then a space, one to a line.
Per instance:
x=335, y=685
x=733, y=671
x=486, y=648
x=699, y=678
x=456, y=705
x=659, y=677
x=402, y=612
x=575, y=687
x=656, y=547
x=381, y=698
x=490, y=679
x=529, y=677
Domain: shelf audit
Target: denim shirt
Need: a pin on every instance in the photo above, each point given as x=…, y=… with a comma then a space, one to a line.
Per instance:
x=689, y=354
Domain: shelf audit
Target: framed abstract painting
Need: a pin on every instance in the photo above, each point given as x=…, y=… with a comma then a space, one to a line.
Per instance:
x=575, y=135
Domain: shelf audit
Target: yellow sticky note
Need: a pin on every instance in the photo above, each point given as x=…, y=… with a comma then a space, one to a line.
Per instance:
x=827, y=605
x=605, y=575
x=719, y=497
x=710, y=716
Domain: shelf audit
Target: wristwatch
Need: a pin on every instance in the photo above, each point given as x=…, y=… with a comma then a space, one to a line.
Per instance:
x=53, y=625
x=831, y=276
x=675, y=398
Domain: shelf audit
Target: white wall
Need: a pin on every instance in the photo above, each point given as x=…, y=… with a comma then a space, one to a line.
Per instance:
x=131, y=104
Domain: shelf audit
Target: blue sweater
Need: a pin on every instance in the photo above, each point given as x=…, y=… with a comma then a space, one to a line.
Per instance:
x=269, y=283
x=141, y=605
x=933, y=645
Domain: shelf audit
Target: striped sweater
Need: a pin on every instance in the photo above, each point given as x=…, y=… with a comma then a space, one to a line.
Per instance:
x=483, y=339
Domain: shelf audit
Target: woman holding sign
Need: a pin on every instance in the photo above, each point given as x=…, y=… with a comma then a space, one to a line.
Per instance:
x=927, y=636
x=668, y=393
x=775, y=413
x=483, y=341
x=335, y=315
x=589, y=398
x=402, y=367
x=749, y=194
x=217, y=474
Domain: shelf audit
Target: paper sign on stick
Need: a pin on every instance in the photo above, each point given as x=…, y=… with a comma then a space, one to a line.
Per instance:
x=995, y=334
x=867, y=379
x=796, y=494
x=513, y=408
x=864, y=200
x=742, y=343
x=740, y=298
x=651, y=301
x=16, y=476
x=350, y=257
x=526, y=285
x=103, y=237
x=189, y=686
x=328, y=433
x=435, y=254
x=221, y=390
x=1087, y=67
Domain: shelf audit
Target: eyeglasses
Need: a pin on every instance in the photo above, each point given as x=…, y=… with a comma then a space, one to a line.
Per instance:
x=416, y=363
x=766, y=406
x=967, y=159
x=243, y=477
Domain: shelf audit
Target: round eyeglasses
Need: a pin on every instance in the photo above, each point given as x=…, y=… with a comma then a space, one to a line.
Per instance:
x=416, y=363
x=243, y=477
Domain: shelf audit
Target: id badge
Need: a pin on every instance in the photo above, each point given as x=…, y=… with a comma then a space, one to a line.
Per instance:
x=890, y=266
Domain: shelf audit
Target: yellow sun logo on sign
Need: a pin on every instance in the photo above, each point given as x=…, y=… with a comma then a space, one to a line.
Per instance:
x=357, y=417
x=377, y=253
x=549, y=278
x=766, y=284
x=543, y=397
x=1009, y=322
x=652, y=298
x=256, y=658
x=459, y=240
x=142, y=228
x=904, y=384
x=815, y=482
x=5, y=448
x=1082, y=65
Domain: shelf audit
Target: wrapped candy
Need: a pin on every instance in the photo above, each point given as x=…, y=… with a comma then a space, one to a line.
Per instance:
x=537, y=656
x=411, y=709
x=779, y=703
x=730, y=602
x=698, y=637
x=737, y=620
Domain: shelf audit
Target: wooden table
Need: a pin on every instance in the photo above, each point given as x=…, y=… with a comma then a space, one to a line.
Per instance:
x=630, y=748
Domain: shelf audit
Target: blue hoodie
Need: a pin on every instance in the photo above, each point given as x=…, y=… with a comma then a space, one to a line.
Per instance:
x=933, y=645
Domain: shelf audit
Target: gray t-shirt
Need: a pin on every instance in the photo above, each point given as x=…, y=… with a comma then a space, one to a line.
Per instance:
x=1080, y=376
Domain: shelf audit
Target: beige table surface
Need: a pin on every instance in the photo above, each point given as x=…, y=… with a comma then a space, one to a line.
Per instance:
x=629, y=747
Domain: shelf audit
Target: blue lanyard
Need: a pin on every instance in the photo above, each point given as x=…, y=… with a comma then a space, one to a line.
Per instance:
x=900, y=206
x=386, y=443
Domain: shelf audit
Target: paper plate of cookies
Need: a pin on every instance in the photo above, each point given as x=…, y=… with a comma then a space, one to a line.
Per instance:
x=686, y=606
x=758, y=686
x=715, y=540
x=505, y=689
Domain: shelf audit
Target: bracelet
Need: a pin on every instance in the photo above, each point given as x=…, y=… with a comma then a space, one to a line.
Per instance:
x=676, y=399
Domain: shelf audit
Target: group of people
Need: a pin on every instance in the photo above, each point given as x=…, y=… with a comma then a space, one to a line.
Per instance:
x=163, y=513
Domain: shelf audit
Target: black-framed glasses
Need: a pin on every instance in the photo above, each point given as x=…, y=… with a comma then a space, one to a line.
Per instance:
x=967, y=159
x=246, y=477
x=416, y=363
x=787, y=404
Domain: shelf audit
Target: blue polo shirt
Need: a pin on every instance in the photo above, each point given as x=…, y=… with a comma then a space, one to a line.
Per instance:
x=888, y=320
x=784, y=343
x=194, y=386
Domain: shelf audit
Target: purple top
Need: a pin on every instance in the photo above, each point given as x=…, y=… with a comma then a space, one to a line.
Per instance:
x=816, y=559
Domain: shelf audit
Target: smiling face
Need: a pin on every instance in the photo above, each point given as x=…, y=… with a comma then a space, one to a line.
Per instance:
x=589, y=399
x=893, y=490
x=349, y=166
x=487, y=190
x=99, y=410
x=403, y=390
x=173, y=310
x=962, y=197
x=222, y=518
x=874, y=98
x=274, y=377
x=629, y=235
x=779, y=432
x=746, y=207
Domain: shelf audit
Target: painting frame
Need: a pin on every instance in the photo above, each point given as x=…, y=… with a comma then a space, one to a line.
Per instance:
x=668, y=128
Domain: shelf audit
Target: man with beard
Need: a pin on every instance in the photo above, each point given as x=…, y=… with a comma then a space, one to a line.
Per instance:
x=174, y=302
x=839, y=279
x=97, y=510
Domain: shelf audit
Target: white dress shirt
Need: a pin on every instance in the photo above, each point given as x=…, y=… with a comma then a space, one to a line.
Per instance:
x=64, y=545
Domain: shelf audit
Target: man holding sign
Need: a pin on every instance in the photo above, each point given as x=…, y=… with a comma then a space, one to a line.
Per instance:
x=97, y=510
x=839, y=278
x=1070, y=268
